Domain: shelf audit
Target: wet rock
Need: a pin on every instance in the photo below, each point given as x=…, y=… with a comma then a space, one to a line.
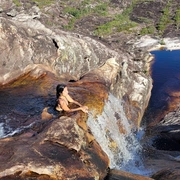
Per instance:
x=51, y=160
x=46, y=115
x=166, y=174
x=57, y=148
x=116, y=175
x=62, y=136
x=167, y=133
x=160, y=161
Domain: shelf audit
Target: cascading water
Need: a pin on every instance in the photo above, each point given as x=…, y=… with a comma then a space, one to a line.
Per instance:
x=123, y=149
x=1, y=130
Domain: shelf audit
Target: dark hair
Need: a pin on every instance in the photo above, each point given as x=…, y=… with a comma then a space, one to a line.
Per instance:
x=59, y=89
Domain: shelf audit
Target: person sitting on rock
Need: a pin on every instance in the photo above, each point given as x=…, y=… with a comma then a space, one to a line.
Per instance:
x=63, y=99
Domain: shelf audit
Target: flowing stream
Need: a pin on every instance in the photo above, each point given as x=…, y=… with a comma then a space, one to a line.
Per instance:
x=123, y=149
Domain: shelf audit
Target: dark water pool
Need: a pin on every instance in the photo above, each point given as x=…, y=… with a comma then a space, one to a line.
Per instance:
x=22, y=102
x=165, y=67
x=165, y=72
x=165, y=96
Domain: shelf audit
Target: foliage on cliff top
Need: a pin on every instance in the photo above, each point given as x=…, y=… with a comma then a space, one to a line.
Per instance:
x=107, y=17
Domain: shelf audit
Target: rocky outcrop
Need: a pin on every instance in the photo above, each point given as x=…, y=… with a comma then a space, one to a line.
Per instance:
x=34, y=59
x=166, y=174
x=26, y=42
x=163, y=164
x=46, y=146
x=59, y=152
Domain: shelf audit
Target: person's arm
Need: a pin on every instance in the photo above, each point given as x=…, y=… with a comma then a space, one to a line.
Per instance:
x=70, y=99
x=67, y=109
x=75, y=102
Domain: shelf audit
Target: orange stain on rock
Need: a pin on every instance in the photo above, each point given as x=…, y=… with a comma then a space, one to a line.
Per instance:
x=91, y=94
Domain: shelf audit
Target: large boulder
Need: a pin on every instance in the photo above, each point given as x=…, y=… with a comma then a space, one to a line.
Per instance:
x=25, y=41
x=61, y=151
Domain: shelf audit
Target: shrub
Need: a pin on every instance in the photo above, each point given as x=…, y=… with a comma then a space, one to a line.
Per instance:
x=43, y=3
x=101, y=9
x=148, y=30
x=177, y=18
x=17, y=3
x=121, y=22
x=164, y=19
x=84, y=9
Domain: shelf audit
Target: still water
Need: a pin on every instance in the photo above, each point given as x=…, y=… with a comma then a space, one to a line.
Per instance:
x=166, y=67
x=165, y=72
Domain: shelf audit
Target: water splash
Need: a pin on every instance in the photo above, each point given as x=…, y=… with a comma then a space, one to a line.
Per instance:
x=1, y=130
x=18, y=130
x=114, y=134
x=7, y=131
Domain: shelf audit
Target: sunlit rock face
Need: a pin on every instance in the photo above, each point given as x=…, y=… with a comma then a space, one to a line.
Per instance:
x=25, y=42
x=133, y=85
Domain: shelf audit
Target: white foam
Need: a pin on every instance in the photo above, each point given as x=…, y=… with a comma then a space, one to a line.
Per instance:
x=123, y=149
x=1, y=130
x=19, y=130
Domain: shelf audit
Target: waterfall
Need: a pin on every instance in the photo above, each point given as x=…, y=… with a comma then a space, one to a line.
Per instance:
x=1, y=130
x=123, y=149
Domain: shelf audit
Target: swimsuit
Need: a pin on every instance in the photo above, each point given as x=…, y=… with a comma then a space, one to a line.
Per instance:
x=58, y=108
